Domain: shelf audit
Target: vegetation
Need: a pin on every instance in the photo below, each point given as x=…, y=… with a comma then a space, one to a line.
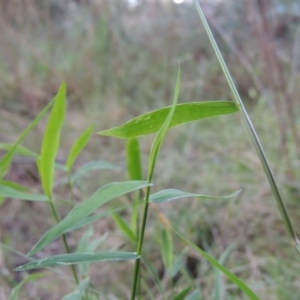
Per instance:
x=173, y=244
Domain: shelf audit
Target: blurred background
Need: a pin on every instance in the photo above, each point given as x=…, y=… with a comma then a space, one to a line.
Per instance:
x=119, y=59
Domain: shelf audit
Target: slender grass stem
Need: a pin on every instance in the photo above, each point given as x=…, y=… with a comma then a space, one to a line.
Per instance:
x=140, y=242
x=251, y=131
x=56, y=217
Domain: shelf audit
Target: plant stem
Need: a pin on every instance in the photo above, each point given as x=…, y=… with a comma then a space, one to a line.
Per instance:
x=56, y=217
x=251, y=131
x=140, y=242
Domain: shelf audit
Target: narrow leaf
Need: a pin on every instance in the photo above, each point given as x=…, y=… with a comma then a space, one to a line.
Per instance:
x=185, y=112
x=19, y=150
x=162, y=130
x=91, y=219
x=172, y=194
x=50, y=142
x=194, y=295
x=93, y=165
x=78, y=146
x=78, y=292
x=82, y=210
x=14, y=295
x=76, y=258
x=167, y=249
x=216, y=264
x=14, y=185
x=134, y=166
x=124, y=227
x=182, y=294
x=6, y=160
x=219, y=290
x=9, y=192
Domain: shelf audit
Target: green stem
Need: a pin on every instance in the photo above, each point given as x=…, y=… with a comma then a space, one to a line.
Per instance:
x=56, y=217
x=251, y=131
x=140, y=242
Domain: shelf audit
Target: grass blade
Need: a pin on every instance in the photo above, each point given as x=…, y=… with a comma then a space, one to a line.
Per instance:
x=182, y=294
x=14, y=295
x=251, y=295
x=14, y=186
x=78, y=146
x=124, y=227
x=9, y=192
x=19, y=150
x=172, y=194
x=183, y=113
x=162, y=131
x=93, y=165
x=79, y=212
x=76, y=258
x=78, y=292
x=251, y=131
x=50, y=142
x=6, y=160
x=134, y=166
x=167, y=249
x=151, y=164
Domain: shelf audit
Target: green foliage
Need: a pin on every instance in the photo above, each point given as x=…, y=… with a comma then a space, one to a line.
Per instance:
x=14, y=295
x=76, y=258
x=80, y=215
x=216, y=264
x=82, y=210
x=167, y=249
x=171, y=194
x=134, y=166
x=50, y=142
x=78, y=146
x=182, y=295
x=117, y=56
x=183, y=113
x=6, y=160
x=78, y=293
x=9, y=192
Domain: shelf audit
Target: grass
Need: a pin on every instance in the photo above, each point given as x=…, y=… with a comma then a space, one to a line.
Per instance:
x=210, y=160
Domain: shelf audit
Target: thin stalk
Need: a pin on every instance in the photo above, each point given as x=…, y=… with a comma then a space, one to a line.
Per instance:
x=140, y=242
x=251, y=131
x=56, y=217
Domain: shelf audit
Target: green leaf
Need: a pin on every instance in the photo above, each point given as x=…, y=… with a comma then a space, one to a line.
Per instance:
x=93, y=165
x=182, y=294
x=185, y=112
x=76, y=258
x=14, y=185
x=134, y=166
x=78, y=146
x=124, y=227
x=19, y=150
x=162, y=130
x=135, y=172
x=50, y=142
x=6, y=191
x=91, y=219
x=167, y=249
x=78, y=292
x=251, y=295
x=219, y=290
x=172, y=194
x=194, y=295
x=14, y=295
x=85, y=246
x=6, y=160
x=82, y=210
